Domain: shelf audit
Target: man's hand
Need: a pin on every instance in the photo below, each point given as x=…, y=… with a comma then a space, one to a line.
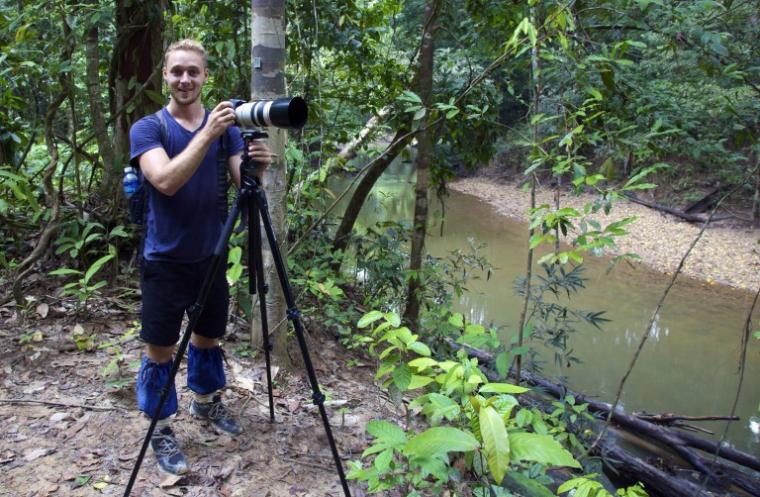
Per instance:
x=221, y=118
x=260, y=154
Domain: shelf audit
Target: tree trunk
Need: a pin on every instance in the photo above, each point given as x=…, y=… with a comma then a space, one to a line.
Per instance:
x=268, y=82
x=138, y=53
x=374, y=171
x=51, y=197
x=756, y=199
x=423, y=161
x=110, y=179
x=535, y=70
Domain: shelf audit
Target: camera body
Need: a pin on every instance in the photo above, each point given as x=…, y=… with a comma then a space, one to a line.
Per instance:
x=280, y=113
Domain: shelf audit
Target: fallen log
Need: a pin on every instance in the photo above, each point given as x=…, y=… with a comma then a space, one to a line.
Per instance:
x=677, y=440
x=706, y=202
x=692, y=218
x=668, y=418
x=719, y=474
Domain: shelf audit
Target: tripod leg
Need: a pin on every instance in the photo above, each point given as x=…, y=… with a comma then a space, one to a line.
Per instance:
x=319, y=399
x=193, y=314
x=257, y=269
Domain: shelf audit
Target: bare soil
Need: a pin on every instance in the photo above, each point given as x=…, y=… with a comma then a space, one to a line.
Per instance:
x=726, y=254
x=63, y=432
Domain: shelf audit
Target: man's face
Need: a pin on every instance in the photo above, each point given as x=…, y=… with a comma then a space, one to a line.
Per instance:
x=185, y=74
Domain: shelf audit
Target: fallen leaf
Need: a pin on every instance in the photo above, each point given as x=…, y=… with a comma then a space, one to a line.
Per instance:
x=170, y=481
x=43, y=310
x=59, y=416
x=50, y=490
x=37, y=453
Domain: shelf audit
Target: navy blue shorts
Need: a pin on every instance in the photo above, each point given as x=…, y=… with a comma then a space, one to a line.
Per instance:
x=168, y=291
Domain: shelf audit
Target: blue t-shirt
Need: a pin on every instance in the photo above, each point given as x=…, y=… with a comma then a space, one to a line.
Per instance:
x=186, y=226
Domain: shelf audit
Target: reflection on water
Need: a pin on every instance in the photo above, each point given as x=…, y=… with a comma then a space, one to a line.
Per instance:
x=689, y=364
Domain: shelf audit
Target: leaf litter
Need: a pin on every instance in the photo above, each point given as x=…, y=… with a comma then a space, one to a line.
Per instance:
x=65, y=432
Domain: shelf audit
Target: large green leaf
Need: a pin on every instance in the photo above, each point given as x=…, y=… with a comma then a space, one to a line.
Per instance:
x=522, y=485
x=418, y=381
x=96, y=267
x=440, y=440
x=439, y=407
x=502, y=388
x=495, y=442
x=386, y=431
x=540, y=448
x=422, y=363
x=402, y=377
x=420, y=348
x=369, y=318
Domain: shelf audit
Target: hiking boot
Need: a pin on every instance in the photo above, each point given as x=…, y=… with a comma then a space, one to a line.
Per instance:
x=216, y=412
x=168, y=454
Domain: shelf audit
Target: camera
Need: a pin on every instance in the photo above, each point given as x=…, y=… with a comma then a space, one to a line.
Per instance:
x=281, y=113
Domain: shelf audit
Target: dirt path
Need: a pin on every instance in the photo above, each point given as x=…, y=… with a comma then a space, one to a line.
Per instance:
x=63, y=449
x=726, y=254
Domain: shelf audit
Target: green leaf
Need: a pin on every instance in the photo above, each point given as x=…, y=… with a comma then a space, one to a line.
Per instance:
x=420, y=348
x=369, y=318
x=410, y=96
x=495, y=442
x=96, y=267
x=418, y=381
x=383, y=460
x=422, y=363
x=523, y=485
x=64, y=271
x=440, y=406
x=502, y=363
x=402, y=377
x=156, y=97
x=440, y=440
x=540, y=448
x=393, y=319
x=503, y=388
x=389, y=433
x=457, y=320
x=404, y=334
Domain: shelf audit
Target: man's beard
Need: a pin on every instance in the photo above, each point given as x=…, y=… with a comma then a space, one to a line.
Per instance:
x=190, y=97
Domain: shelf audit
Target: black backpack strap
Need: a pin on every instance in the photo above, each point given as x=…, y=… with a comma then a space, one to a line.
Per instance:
x=221, y=175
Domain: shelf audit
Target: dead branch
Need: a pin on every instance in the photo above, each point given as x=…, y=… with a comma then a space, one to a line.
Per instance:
x=61, y=404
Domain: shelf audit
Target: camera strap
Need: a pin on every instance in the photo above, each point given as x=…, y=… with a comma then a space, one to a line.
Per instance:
x=221, y=166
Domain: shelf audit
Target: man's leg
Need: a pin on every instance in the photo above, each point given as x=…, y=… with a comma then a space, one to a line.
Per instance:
x=205, y=377
x=154, y=373
x=205, y=362
x=163, y=305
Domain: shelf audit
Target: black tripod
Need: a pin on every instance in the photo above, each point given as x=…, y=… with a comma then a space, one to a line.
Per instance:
x=252, y=197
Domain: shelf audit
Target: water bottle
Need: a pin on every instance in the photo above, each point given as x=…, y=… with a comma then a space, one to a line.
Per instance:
x=130, y=182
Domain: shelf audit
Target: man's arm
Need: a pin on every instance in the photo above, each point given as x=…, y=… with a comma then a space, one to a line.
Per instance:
x=169, y=175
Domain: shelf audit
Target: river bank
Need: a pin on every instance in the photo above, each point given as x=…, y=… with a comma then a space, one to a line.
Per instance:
x=726, y=254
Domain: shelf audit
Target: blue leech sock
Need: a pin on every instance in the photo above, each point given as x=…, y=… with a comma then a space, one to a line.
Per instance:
x=205, y=370
x=150, y=380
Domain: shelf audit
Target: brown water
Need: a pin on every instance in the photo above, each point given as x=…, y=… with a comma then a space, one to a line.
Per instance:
x=689, y=364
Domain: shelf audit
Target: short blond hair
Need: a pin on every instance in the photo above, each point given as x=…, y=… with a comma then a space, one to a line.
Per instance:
x=189, y=45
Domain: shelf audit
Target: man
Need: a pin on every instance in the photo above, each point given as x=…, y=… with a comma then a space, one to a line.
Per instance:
x=183, y=225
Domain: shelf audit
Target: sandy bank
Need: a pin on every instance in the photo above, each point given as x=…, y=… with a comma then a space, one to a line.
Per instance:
x=726, y=254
